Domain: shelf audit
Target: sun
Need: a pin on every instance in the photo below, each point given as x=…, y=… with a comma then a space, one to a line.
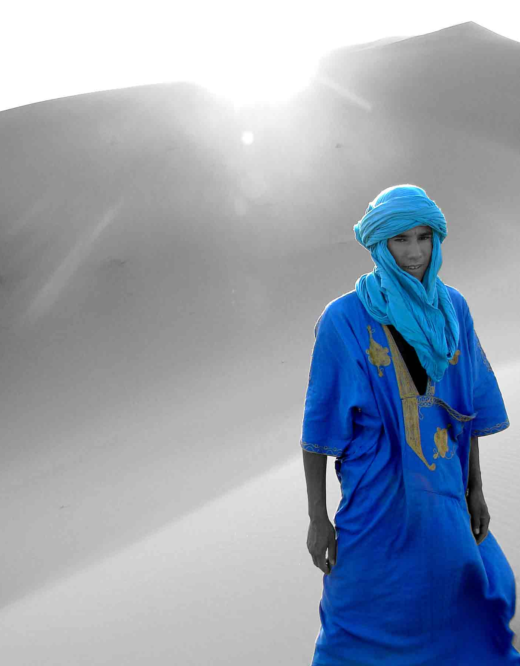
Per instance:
x=249, y=76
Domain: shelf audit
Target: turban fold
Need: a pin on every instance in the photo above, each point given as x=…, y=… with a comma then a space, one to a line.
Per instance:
x=421, y=311
x=398, y=209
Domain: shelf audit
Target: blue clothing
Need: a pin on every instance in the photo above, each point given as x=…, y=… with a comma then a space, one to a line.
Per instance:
x=410, y=586
x=420, y=309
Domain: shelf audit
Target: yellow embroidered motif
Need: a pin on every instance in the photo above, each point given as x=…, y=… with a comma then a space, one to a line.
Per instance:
x=319, y=448
x=377, y=355
x=455, y=358
x=409, y=394
x=441, y=440
x=481, y=432
x=431, y=399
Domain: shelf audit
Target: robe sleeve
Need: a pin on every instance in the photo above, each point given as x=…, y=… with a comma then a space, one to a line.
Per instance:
x=328, y=423
x=487, y=399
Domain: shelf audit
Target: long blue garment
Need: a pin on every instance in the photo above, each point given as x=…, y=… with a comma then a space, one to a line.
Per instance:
x=410, y=586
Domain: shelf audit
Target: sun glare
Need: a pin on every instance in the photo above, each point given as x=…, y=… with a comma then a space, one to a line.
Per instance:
x=248, y=138
x=264, y=75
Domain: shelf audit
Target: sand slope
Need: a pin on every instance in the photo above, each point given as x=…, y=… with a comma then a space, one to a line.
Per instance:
x=229, y=583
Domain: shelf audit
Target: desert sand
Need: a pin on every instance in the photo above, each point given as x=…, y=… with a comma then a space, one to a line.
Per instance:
x=159, y=285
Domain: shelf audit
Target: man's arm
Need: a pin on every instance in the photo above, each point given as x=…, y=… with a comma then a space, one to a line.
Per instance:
x=315, y=465
x=321, y=536
x=474, y=477
x=477, y=506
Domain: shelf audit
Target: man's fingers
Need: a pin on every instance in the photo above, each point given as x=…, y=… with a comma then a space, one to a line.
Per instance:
x=324, y=564
x=480, y=527
x=332, y=551
x=484, y=529
x=319, y=561
x=322, y=538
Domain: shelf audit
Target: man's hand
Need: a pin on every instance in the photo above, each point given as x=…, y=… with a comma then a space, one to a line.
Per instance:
x=479, y=513
x=321, y=536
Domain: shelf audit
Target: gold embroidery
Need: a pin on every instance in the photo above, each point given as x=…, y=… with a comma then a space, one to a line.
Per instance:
x=482, y=353
x=409, y=394
x=432, y=400
x=441, y=440
x=482, y=432
x=319, y=448
x=455, y=358
x=377, y=355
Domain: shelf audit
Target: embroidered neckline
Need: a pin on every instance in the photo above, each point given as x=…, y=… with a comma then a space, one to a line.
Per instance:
x=409, y=386
x=409, y=398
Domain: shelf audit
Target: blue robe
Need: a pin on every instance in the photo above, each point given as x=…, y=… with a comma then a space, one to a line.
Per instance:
x=410, y=586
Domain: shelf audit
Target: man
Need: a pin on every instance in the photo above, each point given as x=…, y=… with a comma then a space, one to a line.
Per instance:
x=399, y=392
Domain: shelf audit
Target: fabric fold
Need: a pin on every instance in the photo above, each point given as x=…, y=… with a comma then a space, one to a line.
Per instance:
x=421, y=311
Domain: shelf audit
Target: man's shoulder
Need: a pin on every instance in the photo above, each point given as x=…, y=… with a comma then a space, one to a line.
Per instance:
x=342, y=314
x=454, y=292
x=457, y=298
x=345, y=305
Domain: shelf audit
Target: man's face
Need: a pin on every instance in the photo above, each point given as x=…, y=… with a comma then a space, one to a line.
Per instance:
x=411, y=248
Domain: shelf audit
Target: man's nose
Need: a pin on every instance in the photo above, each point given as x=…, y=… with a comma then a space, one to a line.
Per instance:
x=414, y=250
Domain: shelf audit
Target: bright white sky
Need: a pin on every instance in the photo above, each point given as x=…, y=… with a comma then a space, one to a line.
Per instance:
x=246, y=50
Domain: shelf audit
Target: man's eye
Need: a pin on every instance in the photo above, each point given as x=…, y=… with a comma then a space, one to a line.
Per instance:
x=403, y=239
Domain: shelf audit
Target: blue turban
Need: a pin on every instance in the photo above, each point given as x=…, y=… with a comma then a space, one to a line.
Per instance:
x=421, y=311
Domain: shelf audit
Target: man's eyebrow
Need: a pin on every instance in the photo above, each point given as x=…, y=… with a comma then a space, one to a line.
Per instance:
x=406, y=235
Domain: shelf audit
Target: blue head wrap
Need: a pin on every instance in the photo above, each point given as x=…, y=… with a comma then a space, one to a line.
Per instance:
x=421, y=311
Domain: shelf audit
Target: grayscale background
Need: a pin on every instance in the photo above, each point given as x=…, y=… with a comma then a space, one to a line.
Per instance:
x=160, y=279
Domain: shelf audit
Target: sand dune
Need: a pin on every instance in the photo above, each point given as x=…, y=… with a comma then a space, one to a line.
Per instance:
x=160, y=282
x=218, y=586
x=235, y=572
